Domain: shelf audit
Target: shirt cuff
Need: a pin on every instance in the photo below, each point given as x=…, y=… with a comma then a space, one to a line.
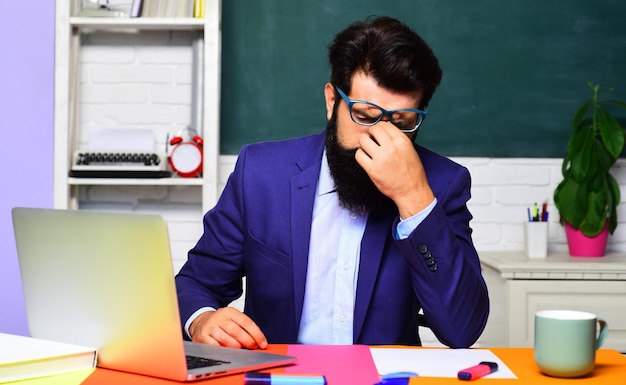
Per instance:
x=406, y=226
x=194, y=316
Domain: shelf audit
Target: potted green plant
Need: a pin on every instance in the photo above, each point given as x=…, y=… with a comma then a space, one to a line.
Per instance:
x=588, y=196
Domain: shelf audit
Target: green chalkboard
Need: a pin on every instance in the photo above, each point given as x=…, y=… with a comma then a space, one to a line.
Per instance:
x=514, y=70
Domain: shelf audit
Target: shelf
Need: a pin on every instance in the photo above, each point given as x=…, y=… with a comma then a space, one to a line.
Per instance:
x=113, y=23
x=174, y=181
x=204, y=38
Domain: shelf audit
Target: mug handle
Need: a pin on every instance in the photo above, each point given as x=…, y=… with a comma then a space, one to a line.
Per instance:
x=604, y=331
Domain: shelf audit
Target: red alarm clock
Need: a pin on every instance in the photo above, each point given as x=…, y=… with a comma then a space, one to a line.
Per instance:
x=186, y=155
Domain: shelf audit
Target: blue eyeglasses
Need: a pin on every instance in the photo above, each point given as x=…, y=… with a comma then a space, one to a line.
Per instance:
x=365, y=113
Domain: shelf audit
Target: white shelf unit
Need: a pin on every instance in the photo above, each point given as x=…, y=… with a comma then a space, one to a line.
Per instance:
x=68, y=37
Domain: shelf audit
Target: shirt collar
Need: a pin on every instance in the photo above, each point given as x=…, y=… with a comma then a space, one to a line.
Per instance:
x=325, y=183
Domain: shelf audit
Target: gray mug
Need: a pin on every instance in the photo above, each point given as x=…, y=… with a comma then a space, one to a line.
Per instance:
x=566, y=341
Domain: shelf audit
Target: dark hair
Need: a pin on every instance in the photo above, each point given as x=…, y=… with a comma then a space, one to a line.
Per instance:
x=389, y=51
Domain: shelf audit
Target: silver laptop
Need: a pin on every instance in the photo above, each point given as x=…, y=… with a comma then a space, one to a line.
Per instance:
x=105, y=280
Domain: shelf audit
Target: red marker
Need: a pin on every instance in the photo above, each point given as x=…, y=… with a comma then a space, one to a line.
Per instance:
x=477, y=371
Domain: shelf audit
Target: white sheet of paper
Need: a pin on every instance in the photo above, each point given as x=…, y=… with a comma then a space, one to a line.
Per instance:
x=435, y=362
x=121, y=140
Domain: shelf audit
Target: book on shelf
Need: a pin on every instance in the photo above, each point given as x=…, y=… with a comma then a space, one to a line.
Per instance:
x=135, y=8
x=198, y=8
x=184, y=8
x=168, y=8
x=148, y=8
x=26, y=357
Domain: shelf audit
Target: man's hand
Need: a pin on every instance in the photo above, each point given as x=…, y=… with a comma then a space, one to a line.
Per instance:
x=389, y=158
x=227, y=327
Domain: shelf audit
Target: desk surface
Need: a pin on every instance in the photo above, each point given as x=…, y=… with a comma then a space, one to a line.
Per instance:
x=610, y=369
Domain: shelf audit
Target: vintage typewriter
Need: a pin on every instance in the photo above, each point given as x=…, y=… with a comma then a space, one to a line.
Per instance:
x=86, y=164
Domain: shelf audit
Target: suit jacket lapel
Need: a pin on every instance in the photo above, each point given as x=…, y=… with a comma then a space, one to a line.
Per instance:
x=377, y=232
x=303, y=188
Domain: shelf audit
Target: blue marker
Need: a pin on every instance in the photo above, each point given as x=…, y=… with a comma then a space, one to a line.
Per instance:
x=398, y=378
x=254, y=378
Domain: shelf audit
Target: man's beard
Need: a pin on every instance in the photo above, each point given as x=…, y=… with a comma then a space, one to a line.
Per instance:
x=355, y=189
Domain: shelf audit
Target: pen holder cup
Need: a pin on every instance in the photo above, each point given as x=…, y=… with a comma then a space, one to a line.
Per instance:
x=536, y=239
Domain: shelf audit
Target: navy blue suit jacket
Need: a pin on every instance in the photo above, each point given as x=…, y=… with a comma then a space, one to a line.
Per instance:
x=260, y=229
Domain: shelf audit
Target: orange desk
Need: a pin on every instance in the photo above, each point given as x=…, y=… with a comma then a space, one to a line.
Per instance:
x=610, y=369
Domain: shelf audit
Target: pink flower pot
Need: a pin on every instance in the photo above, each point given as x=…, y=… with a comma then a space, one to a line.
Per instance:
x=581, y=245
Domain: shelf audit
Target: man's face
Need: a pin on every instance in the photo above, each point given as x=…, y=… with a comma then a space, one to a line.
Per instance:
x=355, y=189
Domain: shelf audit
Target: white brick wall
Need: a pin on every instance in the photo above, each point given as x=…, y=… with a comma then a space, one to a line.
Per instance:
x=504, y=188
x=136, y=80
x=143, y=80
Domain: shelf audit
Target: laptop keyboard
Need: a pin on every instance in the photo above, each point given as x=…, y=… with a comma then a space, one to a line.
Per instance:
x=194, y=362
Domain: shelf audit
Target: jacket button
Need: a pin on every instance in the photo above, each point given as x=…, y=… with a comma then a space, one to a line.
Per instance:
x=423, y=248
x=433, y=267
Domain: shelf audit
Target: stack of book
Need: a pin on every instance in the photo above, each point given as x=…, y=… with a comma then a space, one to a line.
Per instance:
x=25, y=357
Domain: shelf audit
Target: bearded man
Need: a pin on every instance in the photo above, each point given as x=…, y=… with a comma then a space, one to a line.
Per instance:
x=344, y=236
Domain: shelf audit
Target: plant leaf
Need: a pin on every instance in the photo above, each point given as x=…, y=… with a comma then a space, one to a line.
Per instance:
x=580, y=149
x=595, y=218
x=580, y=114
x=614, y=199
x=571, y=204
x=611, y=133
x=603, y=160
x=616, y=103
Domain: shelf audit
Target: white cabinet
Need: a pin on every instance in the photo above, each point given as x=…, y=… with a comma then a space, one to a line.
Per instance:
x=519, y=287
x=204, y=83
